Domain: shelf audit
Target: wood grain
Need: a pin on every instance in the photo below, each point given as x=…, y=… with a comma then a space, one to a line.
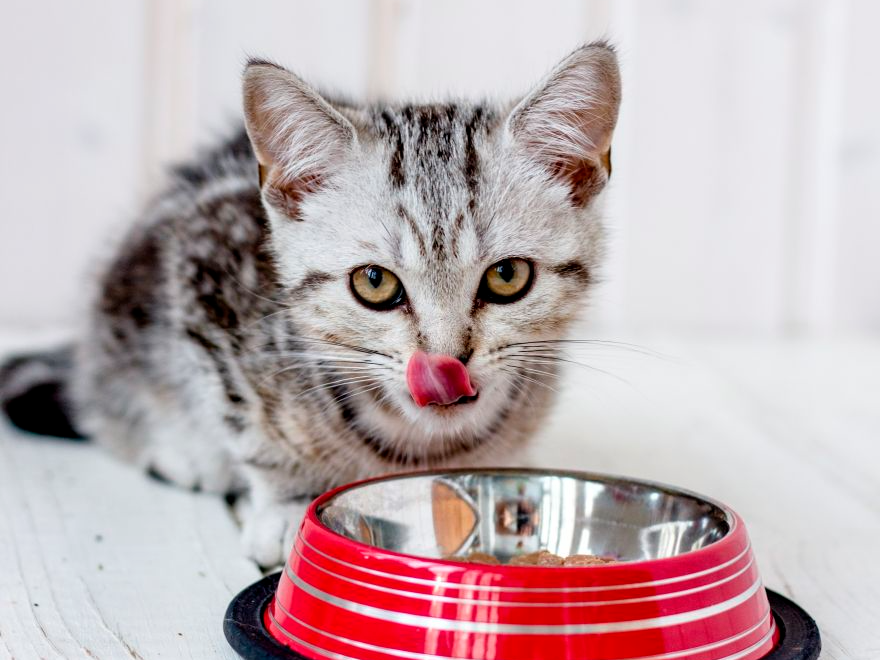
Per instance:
x=98, y=561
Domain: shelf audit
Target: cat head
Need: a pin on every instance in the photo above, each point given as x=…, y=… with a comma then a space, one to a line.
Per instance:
x=443, y=241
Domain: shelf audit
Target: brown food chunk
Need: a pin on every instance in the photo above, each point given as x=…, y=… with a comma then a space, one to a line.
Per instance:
x=539, y=558
x=481, y=558
x=587, y=560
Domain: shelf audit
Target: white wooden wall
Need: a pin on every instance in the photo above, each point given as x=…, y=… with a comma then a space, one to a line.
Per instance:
x=746, y=194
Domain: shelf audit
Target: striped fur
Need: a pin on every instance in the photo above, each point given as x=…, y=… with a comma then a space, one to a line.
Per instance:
x=225, y=350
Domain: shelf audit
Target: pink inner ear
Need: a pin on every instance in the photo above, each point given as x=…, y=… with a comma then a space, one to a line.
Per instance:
x=584, y=178
x=288, y=195
x=439, y=379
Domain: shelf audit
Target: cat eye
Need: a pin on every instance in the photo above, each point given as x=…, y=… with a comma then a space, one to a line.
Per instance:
x=377, y=287
x=506, y=281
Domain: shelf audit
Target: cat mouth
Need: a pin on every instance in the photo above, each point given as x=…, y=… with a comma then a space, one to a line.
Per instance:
x=438, y=379
x=461, y=401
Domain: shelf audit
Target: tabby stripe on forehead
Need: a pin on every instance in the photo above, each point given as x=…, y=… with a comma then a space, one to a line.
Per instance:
x=395, y=167
x=456, y=233
x=413, y=227
x=471, y=158
x=438, y=243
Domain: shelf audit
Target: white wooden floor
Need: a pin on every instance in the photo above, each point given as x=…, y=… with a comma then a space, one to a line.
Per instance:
x=97, y=561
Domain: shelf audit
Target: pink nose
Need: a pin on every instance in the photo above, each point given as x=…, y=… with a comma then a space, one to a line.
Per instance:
x=434, y=378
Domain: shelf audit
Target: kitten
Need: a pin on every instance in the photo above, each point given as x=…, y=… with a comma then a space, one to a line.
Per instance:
x=342, y=291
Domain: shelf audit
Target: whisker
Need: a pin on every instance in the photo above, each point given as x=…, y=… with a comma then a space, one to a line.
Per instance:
x=568, y=353
x=538, y=371
x=330, y=369
x=275, y=374
x=550, y=360
x=510, y=380
x=299, y=365
x=528, y=378
x=336, y=383
x=267, y=317
x=250, y=291
x=589, y=343
x=352, y=347
x=294, y=340
x=322, y=358
x=553, y=359
x=362, y=390
x=317, y=357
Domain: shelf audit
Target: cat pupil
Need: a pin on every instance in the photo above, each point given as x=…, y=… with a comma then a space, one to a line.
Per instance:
x=505, y=270
x=375, y=277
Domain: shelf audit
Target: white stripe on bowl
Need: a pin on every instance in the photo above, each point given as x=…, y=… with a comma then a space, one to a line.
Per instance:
x=474, y=587
x=412, y=655
x=420, y=621
x=500, y=603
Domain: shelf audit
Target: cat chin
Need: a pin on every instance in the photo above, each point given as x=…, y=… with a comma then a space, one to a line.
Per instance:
x=433, y=423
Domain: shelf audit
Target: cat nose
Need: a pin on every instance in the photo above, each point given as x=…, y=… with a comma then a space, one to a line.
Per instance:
x=438, y=379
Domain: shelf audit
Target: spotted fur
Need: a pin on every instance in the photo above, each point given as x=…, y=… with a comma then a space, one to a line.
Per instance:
x=226, y=351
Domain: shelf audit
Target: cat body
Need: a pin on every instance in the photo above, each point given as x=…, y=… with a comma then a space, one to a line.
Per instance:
x=344, y=291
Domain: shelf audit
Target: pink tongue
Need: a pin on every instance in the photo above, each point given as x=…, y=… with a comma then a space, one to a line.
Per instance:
x=434, y=378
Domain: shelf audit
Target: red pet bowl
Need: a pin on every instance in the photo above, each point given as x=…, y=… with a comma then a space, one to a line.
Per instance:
x=380, y=570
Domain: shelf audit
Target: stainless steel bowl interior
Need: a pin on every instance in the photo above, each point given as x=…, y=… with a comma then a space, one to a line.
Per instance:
x=505, y=513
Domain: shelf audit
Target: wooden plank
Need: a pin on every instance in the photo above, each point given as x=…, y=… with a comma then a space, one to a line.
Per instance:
x=97, y=560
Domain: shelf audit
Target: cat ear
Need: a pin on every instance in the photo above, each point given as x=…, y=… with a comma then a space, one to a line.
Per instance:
x=566, y=122
x=297, y=136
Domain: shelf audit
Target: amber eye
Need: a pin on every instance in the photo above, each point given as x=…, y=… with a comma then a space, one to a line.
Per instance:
x=506, y=281
x=377, y=287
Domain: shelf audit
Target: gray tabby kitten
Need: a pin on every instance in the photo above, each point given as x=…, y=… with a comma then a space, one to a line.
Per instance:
x=340, y=292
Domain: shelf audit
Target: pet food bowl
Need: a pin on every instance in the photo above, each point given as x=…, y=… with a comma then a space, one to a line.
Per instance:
x=379, y=571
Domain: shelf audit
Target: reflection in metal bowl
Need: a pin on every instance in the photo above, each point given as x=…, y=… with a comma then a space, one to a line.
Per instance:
x=506, y=514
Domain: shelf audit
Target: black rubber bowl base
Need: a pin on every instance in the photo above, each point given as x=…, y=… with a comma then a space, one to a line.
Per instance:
x=244, y=627
x=798, y=633
x=247, y=634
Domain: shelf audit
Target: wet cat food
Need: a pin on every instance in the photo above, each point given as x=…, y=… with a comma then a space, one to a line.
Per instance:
x=539, y=558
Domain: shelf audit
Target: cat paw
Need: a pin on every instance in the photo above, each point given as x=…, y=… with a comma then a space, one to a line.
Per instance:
x=212, y=473
x=268, y=533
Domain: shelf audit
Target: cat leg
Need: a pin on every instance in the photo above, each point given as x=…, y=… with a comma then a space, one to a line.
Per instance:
x=196, y=458
x=272, y=515
x=188, y=448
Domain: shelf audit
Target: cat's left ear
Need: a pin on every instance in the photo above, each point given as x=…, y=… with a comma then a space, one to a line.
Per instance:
x=566, y=123
x=298, y=137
